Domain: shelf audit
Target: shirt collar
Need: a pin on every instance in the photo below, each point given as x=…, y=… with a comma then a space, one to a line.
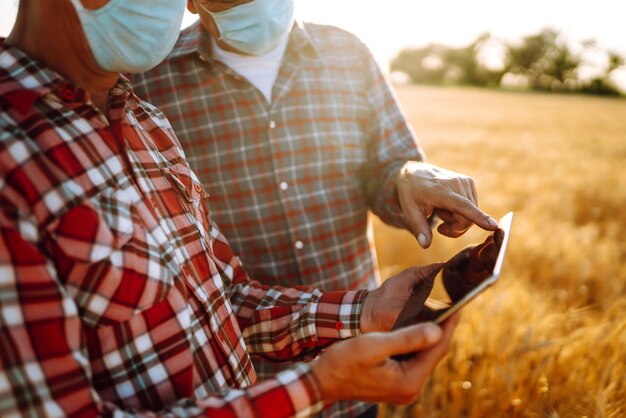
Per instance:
x=196, y=40
x=18, y=71
x=24, y=80
x=301, y=40
x=192, y=39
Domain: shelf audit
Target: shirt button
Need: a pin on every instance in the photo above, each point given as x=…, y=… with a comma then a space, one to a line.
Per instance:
x=299, y=245
x=68, y=94
x=197, y=187
x=339, y=325
x=284, y=185
x=272, y=124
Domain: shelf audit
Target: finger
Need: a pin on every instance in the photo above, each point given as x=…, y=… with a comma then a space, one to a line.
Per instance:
x=444, y=215
x=417, y=221
x=460, y=205
x=460, y=225
x=454, y=229
x=429, y=271
x=498, y=237
x=426, y=360
x=450, y=324
x=454, y=225
x=474, y=191
x=382, y=346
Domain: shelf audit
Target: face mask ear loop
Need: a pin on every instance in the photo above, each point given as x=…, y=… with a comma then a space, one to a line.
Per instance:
x=210, y=13
x=78, y=5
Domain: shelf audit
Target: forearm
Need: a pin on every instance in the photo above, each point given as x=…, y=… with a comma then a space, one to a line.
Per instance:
x=281, y=323
x=383, y=196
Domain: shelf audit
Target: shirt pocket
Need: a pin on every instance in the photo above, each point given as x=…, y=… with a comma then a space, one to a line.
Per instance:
x=111, y=258
x=191, y=194
x=342, y=131
x=344, y=153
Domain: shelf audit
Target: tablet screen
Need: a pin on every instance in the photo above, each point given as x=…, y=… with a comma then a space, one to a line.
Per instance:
x=461, y=292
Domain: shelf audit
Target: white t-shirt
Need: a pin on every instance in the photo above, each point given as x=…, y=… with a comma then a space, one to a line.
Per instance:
x=260, y=70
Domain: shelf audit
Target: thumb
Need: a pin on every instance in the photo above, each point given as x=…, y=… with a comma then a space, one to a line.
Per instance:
x=405, y=340
x=428, y=272
x=417, y=222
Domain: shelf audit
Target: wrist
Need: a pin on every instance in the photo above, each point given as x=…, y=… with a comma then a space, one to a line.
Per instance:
x=406, y=176
x=402, y=174
x=322, y=380
x=366, y=320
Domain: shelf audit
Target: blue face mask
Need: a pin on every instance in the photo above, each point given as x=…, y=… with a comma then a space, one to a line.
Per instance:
x=256, y=27
x=131, y=35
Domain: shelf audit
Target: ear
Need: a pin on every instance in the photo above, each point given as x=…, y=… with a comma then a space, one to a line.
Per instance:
x=191, y=6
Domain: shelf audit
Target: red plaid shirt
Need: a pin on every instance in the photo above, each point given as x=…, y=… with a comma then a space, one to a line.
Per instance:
x=291, y=182
x=116, y=291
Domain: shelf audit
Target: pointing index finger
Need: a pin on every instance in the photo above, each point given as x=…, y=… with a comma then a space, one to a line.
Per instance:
x=460, y=205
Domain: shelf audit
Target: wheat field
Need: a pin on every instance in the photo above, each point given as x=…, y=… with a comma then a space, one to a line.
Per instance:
x=549, y=340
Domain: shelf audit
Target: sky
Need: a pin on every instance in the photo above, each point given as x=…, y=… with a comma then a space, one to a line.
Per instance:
x=389, y=25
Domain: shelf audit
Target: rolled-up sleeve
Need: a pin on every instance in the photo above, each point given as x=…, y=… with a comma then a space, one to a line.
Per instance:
x=391, y=143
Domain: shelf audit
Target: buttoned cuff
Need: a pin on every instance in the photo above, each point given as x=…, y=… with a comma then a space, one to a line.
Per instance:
x=338, y=314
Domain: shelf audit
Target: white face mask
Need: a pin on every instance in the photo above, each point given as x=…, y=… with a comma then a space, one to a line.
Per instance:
x=131, y=35
x=256, y=27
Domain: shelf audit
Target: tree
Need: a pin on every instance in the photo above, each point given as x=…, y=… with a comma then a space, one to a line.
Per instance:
x=545, y=60
x=603, y=85
x=532, y=57
x=439, y=64
x=420, y=64
x=561, y=66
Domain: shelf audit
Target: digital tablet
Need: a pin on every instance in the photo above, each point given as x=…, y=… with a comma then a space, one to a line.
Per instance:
x=462, y=285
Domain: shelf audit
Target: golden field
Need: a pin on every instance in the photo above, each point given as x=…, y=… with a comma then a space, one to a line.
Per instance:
x=549, y=340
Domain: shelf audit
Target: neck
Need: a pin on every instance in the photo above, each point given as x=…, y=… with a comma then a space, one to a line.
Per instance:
x=65, y=49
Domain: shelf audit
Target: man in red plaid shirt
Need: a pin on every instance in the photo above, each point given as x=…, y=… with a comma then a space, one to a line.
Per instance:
x=296, y=134
x=118, y=295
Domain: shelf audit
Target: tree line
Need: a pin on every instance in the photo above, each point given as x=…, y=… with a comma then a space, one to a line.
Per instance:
x=545, y=61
